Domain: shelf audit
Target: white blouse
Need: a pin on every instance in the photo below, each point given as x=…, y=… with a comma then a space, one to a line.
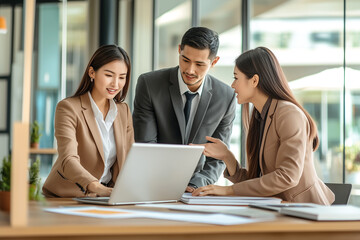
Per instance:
x=106, y=130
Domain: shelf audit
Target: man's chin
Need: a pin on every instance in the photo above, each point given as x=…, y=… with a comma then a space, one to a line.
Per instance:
x=193, y=82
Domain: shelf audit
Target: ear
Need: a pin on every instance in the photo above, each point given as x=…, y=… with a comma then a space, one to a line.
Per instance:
x=216, y=59
x=255, y=80
x=179, y=48
x=91, y=72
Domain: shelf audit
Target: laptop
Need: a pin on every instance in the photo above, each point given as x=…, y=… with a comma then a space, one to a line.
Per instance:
x=152, y=173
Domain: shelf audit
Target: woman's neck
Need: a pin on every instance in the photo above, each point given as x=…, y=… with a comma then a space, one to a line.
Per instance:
x=102, y=103
x=259, y=101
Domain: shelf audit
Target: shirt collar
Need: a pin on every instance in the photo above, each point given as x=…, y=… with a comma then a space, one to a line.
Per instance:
x=111, y=115
x=264, y=110
x=183, y=87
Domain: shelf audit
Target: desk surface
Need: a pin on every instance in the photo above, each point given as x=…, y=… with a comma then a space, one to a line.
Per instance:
x=58, y=226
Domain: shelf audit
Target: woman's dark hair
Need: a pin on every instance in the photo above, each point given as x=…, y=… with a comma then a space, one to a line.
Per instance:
x=201, y=38
x=104, y=55
x=272, y=82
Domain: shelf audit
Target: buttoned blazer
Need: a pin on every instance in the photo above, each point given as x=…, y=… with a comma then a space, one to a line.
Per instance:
x=80, y=149
x=159, y=117
x=286, y=160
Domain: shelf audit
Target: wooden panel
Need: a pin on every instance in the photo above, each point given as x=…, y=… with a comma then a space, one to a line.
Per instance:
x=28, y=50
x=19, y=175
x=43, y=151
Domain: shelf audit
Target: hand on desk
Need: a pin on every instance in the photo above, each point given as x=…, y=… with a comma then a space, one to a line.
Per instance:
x=96, y=189
x=189, y=189
x=213, y=190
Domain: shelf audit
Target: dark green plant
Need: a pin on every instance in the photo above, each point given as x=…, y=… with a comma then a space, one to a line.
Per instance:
x=34, y=172
x=5, y=172
x=35, y=132
x=34, y=181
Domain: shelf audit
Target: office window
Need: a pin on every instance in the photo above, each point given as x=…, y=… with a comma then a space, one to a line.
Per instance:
x=5, y=41
x=76, y=43
x=48, y=66
x=3, y=104
x=352, y=99
x=172, y=19
x=224, y=18
x=308, y=39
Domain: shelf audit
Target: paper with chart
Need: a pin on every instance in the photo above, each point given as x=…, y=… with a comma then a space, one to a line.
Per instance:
x=105, y=212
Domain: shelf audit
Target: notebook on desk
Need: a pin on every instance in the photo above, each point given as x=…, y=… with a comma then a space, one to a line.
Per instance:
x=152, y=173
x=227, y=200
x=325, y=213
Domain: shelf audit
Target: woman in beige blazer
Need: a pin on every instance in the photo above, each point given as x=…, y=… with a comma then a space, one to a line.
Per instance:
x=281, y=138
x=93, y=129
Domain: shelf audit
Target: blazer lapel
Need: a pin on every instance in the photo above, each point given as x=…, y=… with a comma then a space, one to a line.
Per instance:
x=91, y=122
x=119, y=136
x=205, y=99
x=177, y=102
x=266, y=129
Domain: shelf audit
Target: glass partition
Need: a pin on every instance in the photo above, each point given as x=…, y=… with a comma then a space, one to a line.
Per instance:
x=352, y=99
x=224, y=17
x=172, y=19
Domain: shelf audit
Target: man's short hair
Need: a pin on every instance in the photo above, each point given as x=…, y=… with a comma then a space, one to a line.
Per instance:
x=201, y=38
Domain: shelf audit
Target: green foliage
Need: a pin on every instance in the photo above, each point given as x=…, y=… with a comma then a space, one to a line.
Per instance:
x=35, y=132
x=352, y=157
x=5, y=172
x=34, y=180
x=34, y=172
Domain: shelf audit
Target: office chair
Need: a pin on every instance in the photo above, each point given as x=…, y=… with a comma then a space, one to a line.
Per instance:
x=341, y=191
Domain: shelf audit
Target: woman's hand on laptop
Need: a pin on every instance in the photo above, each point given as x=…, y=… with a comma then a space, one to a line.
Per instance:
x=96, y=189
x=213, y=190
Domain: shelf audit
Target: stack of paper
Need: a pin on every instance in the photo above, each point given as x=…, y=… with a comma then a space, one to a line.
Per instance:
x=232, y=210
x=325, y=213
x=277, y=207
x=227, y=200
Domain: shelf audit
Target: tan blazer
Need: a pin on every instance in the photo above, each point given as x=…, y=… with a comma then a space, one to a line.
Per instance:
x=286, y=160
x=81, y=156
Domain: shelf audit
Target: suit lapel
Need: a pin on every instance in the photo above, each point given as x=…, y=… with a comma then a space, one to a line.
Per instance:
x=177, y=101
x=91, y=122
x=119, y=136
x=205, y=99
x=266, y=129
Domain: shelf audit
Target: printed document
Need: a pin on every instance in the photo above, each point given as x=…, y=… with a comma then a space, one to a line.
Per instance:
x=227, y=200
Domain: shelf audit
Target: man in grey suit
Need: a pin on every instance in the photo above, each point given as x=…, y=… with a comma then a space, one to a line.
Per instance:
x=184, y=104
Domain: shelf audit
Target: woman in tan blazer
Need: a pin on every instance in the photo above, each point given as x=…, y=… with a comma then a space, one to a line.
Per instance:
x=281, y=138
x=93, y=129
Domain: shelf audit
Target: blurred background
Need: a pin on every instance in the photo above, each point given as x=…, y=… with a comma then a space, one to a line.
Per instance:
x=316, y=41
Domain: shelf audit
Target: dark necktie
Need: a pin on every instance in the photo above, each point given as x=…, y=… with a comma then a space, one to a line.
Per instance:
x=187, y=109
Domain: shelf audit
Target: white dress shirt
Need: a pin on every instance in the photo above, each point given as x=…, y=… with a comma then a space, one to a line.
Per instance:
x=106, y=130
x=194, y=104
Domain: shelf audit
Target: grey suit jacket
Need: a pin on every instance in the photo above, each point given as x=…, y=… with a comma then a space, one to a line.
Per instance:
x=158, y=117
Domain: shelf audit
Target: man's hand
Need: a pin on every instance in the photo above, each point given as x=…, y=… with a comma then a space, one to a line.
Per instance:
x=213, y=190
x=96, y=189
x=189, y=189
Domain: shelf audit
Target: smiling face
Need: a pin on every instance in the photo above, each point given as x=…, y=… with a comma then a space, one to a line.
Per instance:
x=109, y=80
x=194, y=65
x=244, y=87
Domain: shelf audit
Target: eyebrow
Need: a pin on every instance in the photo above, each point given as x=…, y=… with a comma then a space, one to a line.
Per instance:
x=190, y=59
x=113, y=72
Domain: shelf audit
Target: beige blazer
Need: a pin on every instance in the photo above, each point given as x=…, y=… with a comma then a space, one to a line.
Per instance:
x=286, y=160
x=80, y=150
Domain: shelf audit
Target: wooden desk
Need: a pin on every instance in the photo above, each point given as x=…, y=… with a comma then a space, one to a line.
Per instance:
x=45, y=225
